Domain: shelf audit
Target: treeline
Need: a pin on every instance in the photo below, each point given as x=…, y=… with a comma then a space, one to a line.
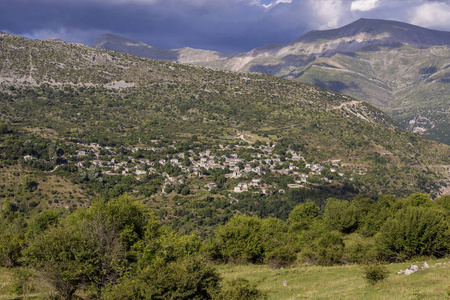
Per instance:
x=117, y=249
x=358, y=231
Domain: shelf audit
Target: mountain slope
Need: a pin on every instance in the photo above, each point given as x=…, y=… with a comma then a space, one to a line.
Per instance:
x=86, y=95
x=397, y=67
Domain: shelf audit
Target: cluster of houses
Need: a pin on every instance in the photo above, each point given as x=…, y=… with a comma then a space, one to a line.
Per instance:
x=262, y=160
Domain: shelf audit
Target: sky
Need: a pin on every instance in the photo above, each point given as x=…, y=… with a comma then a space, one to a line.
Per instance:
x=221, y=25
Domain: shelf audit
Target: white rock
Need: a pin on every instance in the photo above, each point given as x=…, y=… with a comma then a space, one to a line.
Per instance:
x=411, y=269
x=425, y=266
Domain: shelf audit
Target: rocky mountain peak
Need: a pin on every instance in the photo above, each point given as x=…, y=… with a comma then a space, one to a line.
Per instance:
x=382, y=32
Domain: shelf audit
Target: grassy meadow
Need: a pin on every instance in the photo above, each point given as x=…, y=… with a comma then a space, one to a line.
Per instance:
x=345, y=282
x=304, y=282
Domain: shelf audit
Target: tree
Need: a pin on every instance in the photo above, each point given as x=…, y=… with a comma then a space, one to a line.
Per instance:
x=41, y=222
x=189, y=278
x=66, y=257
x=11, y=244
x=3, y=128
x=419, y=199
x=94, y=246
x=238, y=240
x=302, y=216
x=341, y=215
x=330, y=249
x=414, y=231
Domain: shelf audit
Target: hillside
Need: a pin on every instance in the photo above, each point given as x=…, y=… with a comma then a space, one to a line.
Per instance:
x=399, y=68
x=196, y=145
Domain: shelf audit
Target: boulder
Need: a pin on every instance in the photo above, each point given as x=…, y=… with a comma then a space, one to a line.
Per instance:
x=425, y=266
x=411, y=269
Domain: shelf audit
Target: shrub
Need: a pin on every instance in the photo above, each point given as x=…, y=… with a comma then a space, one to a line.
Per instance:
x=341, y=215
x=359, y=249
x=65, y=257
x=23, y=282
x=11, y=245
x=309, y=256
x=302, y=216
x=190, y=278
x=414, y=231
x=375, y=273
x=283, y=256
x=238, y=240
x=240, y=288
x=330, y=249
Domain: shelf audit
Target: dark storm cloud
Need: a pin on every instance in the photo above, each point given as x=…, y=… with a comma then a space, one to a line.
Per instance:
x=224, y=25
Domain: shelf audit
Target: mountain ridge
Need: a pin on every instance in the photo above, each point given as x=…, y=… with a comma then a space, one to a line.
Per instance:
x=399, y=68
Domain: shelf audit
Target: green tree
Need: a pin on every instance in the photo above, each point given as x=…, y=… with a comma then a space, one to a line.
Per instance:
x=169, y=246
x=341, y=215
x=238, y=240
x=414, y=231
x=419, y=199
x=11, y=245
x=66, y=257
x=41, y=222
x=302, y=216
x=189, y=278
x=330, y=249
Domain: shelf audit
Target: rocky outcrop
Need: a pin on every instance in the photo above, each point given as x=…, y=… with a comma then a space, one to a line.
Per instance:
x=414, y=268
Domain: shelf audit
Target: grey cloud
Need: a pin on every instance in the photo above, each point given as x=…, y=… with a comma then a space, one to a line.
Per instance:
x=223, y=25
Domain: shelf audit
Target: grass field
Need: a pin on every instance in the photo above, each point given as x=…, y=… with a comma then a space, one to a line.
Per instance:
x=345, y=282
x=340, y=282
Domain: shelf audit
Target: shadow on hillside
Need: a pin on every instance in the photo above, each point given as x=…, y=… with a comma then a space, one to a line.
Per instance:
x=336, y=86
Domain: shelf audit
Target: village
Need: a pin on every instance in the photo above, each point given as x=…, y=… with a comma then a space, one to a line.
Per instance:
x=175, y=168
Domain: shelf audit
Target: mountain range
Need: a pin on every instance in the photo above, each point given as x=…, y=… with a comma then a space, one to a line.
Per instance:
x=399, y=68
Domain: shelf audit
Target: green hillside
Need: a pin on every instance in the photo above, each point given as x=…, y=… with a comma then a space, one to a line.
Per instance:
x=408, y=84
x=73, y=96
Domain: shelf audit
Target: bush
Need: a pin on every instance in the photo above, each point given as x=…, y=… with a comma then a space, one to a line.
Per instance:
x=239, y=240
x=283, y=256
x=23, y=282
x=414, y=231
x=11, y=245
x=240, y=288
x=375, y=273
x=330, y=249
x=66, y=258
x=359, y=249
x=190, y=278
x=341, y=215
x=309, y=256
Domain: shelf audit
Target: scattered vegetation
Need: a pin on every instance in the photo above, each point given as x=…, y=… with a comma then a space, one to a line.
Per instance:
x=102, y=188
